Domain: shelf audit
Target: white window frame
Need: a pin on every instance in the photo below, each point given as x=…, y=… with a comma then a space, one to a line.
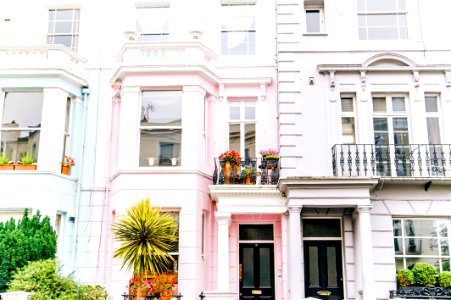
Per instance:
x=351, y=114
x=73, y=33
x=242, y=121
x=364, y=15
x=231, y=13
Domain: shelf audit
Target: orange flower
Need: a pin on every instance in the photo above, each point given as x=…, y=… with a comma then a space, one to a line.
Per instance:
x=230, y=156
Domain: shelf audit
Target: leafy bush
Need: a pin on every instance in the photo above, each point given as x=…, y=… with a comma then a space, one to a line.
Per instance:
x=444, y=279
x=45, y=281
x=424, y=274
x=29, y=240
x=405, y=277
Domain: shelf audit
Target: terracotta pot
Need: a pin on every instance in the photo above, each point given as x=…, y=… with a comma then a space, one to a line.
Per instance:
x=226, y=169
x=25, y=167
x=65, y=170
x=248, y=179
x=7, y=167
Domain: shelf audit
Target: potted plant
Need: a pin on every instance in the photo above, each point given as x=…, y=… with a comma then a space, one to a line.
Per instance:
x=247, y=175
x=420, y=278
x=146, y=235
x=270, y=157
x=66, y=164
x=5, y=163
x=27, y=162
x=229, y=161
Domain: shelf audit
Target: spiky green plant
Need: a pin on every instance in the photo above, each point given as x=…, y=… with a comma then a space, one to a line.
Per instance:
x=146, y=235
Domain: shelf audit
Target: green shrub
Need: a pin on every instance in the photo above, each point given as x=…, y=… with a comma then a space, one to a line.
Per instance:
x=405, y=277
x=30, y=240
x=424, y=274
x=444, y=279
x=45, y=281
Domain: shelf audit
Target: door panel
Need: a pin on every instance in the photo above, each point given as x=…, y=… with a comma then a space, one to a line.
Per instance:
x=256, y=271
x=323, y=269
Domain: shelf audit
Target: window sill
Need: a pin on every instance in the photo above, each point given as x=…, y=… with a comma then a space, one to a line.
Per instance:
x=314, y=34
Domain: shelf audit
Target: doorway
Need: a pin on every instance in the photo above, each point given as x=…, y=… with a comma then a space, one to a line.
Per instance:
x=323, y=269
x=256, y=262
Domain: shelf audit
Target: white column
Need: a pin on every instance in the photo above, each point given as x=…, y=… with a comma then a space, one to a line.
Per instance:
x=295, y=254
x=223, y=220
x=366, y=250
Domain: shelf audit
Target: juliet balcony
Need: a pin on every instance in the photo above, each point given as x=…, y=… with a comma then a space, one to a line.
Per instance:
x=257, y=171
x=392, y=160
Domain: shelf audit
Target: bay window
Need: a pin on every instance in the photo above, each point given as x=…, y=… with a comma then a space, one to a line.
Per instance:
x=160, y=128
x=421, y=240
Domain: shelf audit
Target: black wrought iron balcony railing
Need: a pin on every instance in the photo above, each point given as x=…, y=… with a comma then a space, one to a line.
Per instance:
x=253, y=171
x=392, y=160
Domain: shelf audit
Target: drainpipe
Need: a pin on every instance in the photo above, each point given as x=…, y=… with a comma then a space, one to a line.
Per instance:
x=85, y=91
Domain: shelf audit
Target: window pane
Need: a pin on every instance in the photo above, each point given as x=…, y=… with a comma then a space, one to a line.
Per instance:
x=431, y=103
x=160, y=147
x=313, y=20
x=249, y=142
x=400, y=124
x=21, y=110
x=256, y=233
x=381, y=5
x=321, y=228
x=381, y=33
x=161, y=108
x=398, y=104
x=249, y=110
x=313, y=267
x=433, y=130
x=380, y=124
x=379, y=104
x=347, y=105
x=381, y=20
x=348, y=130
x=234, y=111
x=265, y=268
x=234, y=137
x=331, y=267
x=248, y=267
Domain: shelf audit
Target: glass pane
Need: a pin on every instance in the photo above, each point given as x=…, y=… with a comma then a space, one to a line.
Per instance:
x=402, y=20
x=420, y=227
x=379, y=104
x=347, y=105
x=445, y=265
x=64, y=14
x=313, y=266
x=265, y=268
x=433, y=130
x=249, y=110
x=332, y=267
x=431, y=103
x=321, y=228
x=398, y=104
x=313, y=20
x=381, y=5
x=362, y=34
x=249, y=142
x=421, y=246
x=403, y=33
x=397, y=229
x=401, y=4
x=381, y=20
x=382, y=33
x=444, y=247
x=410, y=261
x=256, y=233
x=398, y=245
x=63, y=27
x=380, y=124
x=65, y=40
x=248, y=268
x=400, y=124
x=399, y=263
x=161, y=108
x=234, y=110
x=360, y=5
x=234, y=137
x=160, y=147
x=348, y=130
x=443, y=228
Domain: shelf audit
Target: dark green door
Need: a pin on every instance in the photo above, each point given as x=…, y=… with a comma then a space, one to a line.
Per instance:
x=256, y=271
x=323, y=269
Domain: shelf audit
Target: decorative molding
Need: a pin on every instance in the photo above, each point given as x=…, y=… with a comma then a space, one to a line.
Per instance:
x=416, y=78
x=363, y=80
x=332, y=80
x=262, y=91
x=448, y=79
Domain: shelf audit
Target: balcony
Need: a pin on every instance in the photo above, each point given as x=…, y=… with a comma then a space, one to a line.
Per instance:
x=256, y=171
x=392, y=160
x=41, y=59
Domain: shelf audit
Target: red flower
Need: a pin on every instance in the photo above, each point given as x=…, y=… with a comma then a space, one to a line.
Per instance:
x=230, y=156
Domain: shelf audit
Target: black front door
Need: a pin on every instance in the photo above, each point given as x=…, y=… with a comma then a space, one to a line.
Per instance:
x=323, y=269
x=256, y=271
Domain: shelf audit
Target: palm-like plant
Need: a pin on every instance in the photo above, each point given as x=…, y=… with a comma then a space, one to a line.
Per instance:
x=146, y=235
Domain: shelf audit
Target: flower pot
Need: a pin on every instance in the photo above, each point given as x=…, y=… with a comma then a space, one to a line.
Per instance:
x=248, y=179
x=25, y=167
x=227, y=169
x=151, y=161
x=65, y=170
x=7, y=167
